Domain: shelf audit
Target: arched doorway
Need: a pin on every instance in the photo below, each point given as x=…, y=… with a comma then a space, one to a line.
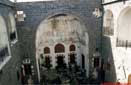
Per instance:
x=108, y=23
x=123, y=30
x=60, y=62
x=45, y=58
x=72, y=55
x=59, y=32
x=59, y=48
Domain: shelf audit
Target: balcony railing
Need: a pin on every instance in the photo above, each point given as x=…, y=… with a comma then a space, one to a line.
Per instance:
x=123, y=43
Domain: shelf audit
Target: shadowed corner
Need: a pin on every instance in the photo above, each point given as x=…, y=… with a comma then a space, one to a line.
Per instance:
x=110, y=75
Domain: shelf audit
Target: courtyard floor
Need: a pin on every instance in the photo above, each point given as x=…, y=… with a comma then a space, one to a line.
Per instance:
x=66, y=77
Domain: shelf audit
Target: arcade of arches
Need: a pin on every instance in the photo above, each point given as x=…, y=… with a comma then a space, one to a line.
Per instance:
x=124, y=31
x=118, y=51
x=65, y=42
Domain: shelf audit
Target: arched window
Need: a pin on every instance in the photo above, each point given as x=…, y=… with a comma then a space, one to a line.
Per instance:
x=46, y=50
x=59, y=48
x=72, y=48
x=108, y=23
x=124, y=29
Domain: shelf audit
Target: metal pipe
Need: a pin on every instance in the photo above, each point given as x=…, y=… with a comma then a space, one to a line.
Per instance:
x=113, y=2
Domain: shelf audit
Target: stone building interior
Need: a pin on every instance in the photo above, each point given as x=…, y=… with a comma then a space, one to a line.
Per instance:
x=65, y=42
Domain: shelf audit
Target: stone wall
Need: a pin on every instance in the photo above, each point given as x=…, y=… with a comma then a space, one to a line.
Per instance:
x=8, y=76
x=38, y=11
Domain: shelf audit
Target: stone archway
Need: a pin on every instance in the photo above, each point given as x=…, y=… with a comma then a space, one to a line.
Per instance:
x=65, y=29
x=72, y=55
x=123, y=29
x=60, y=48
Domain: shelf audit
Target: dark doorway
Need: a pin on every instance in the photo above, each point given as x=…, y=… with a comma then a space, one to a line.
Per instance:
x=83, y=61
x=13, y=36
x=46, y=50
x=47, y=62
x=60, y=62
x=72, y=59
x=27, y=69
x=96, y=62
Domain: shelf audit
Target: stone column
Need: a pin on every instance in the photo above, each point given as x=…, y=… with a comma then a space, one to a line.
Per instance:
x=66, y=55
x=53, y=57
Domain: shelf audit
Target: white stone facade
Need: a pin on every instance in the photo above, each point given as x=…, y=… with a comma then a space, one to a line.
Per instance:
x=121, y=55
